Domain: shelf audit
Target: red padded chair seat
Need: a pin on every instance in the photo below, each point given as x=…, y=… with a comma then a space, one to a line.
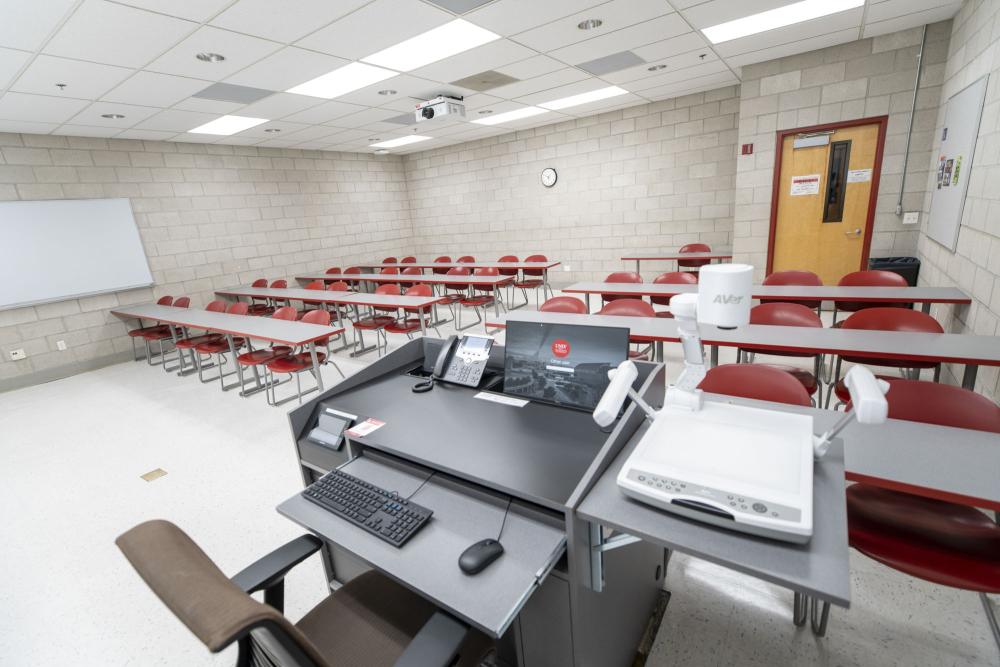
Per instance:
x=664, y=313
x=450, y=298
x=141, y=332
x=528, y=283
x=409, y=325
x=376, y=322
x=217, y=346
x=195, y=341
x=158, y=333
x=477, y=300
x=295, y=363
x=258, y=357
x=260, y=309
x=938, y=541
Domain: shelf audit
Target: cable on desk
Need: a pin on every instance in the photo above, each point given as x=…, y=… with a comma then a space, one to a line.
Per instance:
x=504, y=522
x=426, y=479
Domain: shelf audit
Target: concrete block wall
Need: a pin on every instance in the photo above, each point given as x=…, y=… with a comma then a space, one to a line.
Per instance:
x=870, y=77
x=974, y=266
x=642, y=179
x=209, y=215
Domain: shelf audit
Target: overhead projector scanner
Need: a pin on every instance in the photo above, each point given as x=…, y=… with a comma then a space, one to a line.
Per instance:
x=744, y=468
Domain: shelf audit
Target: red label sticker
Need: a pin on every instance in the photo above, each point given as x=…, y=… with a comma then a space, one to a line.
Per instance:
x=560, y=347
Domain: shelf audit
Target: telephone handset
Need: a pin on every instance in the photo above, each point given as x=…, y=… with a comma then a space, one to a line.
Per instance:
x=464, y=365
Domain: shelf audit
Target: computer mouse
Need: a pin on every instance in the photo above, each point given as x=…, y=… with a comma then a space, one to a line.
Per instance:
x=476, y=558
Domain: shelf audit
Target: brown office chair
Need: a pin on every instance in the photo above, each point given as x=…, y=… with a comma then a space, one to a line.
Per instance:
x=371, y=620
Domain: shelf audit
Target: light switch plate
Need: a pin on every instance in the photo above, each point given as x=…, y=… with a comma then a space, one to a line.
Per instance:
x=911, y=218
x=18, y=355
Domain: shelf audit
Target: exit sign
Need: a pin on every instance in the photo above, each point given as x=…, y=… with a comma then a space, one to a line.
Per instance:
x=747, y=149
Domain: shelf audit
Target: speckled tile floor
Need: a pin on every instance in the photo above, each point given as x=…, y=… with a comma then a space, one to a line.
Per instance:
x=72, y=451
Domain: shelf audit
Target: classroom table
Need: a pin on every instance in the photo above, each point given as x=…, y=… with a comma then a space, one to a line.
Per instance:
x=284, y=332
x=668, y=257
x=968, y=349
x=925, y=296
x=544, y=266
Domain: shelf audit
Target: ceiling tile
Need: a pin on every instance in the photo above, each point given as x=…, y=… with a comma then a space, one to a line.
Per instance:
x=283, y=21
x=26, y=23
x=239, y=50
x=720, y=11
x=544, y=82
x=782, y=50
x=909, y=19
x=488, y=56
x=83, y=80
x=615, y=15
x=629, y=38
x=279, y=105
x=39, y=108
x=793, y=33
x=509, y=17
x=215, y=107
x=104, y=32
x=145, y=135
x=480, y=101
x=286, y=68
x=353, y=36
x=673, y=46
x=691, y=59
x=155, y=90
x=406, y=86
x=133, y=114
x=577, y=88
x=890, y=9
x=601, y=106
x=324, y=113
x=670, y=75
x=307, y=133
x=27, y=127
x=192, y=10
x=88, y=130
x=698, y=85
x=175, y=120
x=11, y=62
x=365, y=117
x=531, y=67
x=284, y=129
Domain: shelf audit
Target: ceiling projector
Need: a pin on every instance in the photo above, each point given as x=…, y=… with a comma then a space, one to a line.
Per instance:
x=440, y=107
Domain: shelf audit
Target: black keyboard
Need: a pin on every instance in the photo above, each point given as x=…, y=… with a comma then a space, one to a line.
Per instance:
x=378, y=511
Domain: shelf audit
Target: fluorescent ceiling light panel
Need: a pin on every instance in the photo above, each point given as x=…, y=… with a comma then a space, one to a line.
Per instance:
x=584, y=98
x=226, y=125
x=777, y=18
x=432, y=46
x=517, y=114
x=342, y=80
x=402, y=141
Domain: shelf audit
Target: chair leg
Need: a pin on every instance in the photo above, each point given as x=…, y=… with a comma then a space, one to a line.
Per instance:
x=833, y=383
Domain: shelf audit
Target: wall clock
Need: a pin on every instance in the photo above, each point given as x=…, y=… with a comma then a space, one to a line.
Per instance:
x=549, y=177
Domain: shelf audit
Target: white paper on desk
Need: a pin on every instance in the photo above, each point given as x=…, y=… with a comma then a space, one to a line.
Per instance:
x=505, y=400
x=367, y=427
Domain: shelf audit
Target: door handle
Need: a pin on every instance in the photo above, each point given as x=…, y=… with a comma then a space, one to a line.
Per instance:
x=856, y=233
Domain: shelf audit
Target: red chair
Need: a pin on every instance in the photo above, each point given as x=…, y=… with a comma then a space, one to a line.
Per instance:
x=217, y=348
x=377, y=323
x=671, y=278
x=794, y=278
x=454, y=292
x=260, y=305
x=350, y=271
x=867, y=279
x=693, y=263
x=333, y=270
x=390, y=260
x=409, y=271
x=410, y=325
x=317, y=285
x=481, y=295
x=296, y=362
x=624, y=307
x=466, y=259
x=509, y=272
x=409, y=259
x=886, y=319
x=938, y=541
x=564, y=304
x=630, y=277
x=341, y=310
x=443, y=259
x=533, y=279
x=189, y=342
x=785, y=314
x=164, y=333
x=254, y=359
x=763, y=383
x=141, y=331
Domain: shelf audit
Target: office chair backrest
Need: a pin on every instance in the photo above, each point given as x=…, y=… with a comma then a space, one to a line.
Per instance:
x=760, y=382
x=784, y=315
x=535, y=258
x=333, y=270
x=696, y=247
x=279, y=284
x=182, y=302
x=207, y=602
x=419, y=290
x=564, y=304
x=216, y=306
x=353, y=269
x=316, y=284
x=694, y=263
x=942, y=404
x=409, y=259
x=628, y=308
x=873, y=278
x=799, y=278
x=892, y=319
x=165, y=301
x=238, y=308
x=260, y=282
x=389, y=270
x=466, y=259
x=443, y=259
x=286, y=313
x=389, y=260
x=392, y=290
x=412, y=271
x=672, y=278
x=318, y=316
x=338, y=286
x=623, y=277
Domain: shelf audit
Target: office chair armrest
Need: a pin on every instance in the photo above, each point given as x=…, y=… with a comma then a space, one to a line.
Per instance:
x=268, y=573
x=437, y=643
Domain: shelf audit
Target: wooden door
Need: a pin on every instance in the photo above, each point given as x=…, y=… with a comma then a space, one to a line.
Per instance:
x=826, y=185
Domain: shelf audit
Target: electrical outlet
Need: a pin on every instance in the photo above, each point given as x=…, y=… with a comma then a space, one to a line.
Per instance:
x=61, y=345
x=911, y=217
x=18, y=355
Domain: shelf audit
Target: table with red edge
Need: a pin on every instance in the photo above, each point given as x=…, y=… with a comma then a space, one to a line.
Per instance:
x=673, y=257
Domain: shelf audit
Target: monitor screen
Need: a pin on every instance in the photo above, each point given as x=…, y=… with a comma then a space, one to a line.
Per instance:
x=562, y=363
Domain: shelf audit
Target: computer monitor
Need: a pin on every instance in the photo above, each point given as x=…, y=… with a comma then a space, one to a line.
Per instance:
x=561, y=363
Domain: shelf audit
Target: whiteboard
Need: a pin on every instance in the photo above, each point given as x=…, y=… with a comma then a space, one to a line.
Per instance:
x=954, y=163
x=66, y=248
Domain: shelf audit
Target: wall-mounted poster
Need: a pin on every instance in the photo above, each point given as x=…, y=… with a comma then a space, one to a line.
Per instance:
x=955, y=160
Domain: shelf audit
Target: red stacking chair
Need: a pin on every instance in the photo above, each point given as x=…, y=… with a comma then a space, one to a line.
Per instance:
x=621, y=277
x=377, y=323
x=141, y=331
x=795, y=278
x=409, y=271
x=454, y=292
x=784, y=314
x=218, y=347
x=509, y=272
x=632, y=308
x=482, y=295
x=671, y=278
x=296, y=362
x=352, y=270
x=886, y=319
x=342, y=311
x=259, y=305
x=410, y=325
x=935, y=540
x=867, y=279
x=409, y=259
x=764, y=383
x=164, y=333
x=564, y=304
x=533, y=279
x=333, y=270
x=316, y=305
x=256, y=358
x=443, y=259
x=693, y=263
x=390, y=260
x=189, y=342
x=466, y=259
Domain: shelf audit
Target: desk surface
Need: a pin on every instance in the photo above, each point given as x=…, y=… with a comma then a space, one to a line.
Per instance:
x=400, y=278
x=326, y=296
x=792, y=292
x=261, y=328
x=467, y=265
x=679, y=255
x=944, y=348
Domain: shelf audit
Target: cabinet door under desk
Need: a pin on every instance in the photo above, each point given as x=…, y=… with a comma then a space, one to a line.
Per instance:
x=534, y=541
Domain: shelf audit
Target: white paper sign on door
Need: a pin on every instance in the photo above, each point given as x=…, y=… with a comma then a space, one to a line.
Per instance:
x=805, y=185
x=859, y=175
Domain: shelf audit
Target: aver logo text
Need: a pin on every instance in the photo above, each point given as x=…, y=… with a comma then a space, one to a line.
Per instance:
x=727, y=299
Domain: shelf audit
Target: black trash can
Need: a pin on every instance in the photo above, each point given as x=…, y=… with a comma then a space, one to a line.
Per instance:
x=908, y=267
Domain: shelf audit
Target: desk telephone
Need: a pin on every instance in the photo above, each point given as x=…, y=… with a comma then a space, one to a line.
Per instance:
x=464, y=365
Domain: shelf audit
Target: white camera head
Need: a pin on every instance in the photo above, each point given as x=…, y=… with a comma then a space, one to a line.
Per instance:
x=867, y=395
x=614, y=396
x=724, y=294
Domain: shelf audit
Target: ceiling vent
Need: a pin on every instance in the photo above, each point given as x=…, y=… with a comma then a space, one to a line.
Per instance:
x=227, y=92
x=484, y=81
x=613, y=63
